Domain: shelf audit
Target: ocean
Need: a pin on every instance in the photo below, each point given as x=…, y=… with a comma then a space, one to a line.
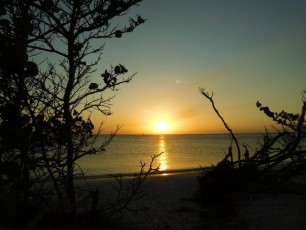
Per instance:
x=179, y=152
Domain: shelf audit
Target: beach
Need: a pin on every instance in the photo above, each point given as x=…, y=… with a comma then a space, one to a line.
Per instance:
x=168, y=202
x=171, y=202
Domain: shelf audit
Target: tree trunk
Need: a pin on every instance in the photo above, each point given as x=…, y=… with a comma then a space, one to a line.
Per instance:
x=70, y=151
x=68, y=127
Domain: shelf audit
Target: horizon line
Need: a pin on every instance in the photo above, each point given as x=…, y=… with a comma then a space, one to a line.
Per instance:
x=151, y=134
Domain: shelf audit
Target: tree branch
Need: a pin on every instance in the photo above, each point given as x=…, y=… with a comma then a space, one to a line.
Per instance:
x=210, y=98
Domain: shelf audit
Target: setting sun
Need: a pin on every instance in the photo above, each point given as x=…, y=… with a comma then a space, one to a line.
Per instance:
x=161, y=126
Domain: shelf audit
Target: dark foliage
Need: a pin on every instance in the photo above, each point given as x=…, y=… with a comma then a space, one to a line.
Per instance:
x=45, y=126
x=281, y=156
x=223, y=179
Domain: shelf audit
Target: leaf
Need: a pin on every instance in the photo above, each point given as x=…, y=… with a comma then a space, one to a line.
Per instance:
x=118, y=34
x=140, y=20
x=123, y=69
x=31, y=69
x=130, y=29
x=117, y=69
x=93, y=86
x=105, y=75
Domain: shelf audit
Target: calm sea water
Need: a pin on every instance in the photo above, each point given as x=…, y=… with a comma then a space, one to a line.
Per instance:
x=180, y=152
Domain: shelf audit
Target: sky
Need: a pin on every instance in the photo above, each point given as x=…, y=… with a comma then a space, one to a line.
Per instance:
x=241, y=50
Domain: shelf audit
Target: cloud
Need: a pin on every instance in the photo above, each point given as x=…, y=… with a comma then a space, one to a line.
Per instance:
x=182, y=82
x=185, y=114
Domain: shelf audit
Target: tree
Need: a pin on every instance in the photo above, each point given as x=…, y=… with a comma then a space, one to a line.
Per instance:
x=281, y=155
x=59, y=95
x=67, y=30
x=286, y=147
x=16, y=71
x=19, y=111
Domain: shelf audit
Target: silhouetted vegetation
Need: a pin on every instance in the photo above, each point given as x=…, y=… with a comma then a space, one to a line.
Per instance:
x=210, y=98
x=45, y=124
x=280, y=157
x=276, y=166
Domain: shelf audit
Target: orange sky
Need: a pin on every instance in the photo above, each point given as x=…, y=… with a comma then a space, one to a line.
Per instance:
x=244, y=51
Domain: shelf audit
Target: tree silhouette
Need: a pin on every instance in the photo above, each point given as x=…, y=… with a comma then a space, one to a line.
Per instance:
x=287, y=146
x=77, y=24
x=17, y=110
x=210, y=98
x=281, y=156
x=53, y=104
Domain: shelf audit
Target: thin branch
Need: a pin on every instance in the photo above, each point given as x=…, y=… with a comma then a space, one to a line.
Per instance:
x=210, y=98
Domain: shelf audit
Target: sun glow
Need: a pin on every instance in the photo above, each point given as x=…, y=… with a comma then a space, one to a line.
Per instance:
x=162, y=126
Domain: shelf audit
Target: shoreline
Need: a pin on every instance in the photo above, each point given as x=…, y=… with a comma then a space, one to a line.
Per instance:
x=165, y=200
x=171, y=202
x=130, y=175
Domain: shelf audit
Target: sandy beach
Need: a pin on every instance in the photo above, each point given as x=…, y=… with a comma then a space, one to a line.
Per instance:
x=171, y=203
x=168, y=202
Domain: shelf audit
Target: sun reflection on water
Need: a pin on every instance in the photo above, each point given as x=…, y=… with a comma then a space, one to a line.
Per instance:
x=163, y=158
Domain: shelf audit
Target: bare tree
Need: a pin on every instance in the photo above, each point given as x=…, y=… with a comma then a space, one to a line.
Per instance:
x=210, y=98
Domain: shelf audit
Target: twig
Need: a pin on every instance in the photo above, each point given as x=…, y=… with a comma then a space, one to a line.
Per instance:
x=210, y=98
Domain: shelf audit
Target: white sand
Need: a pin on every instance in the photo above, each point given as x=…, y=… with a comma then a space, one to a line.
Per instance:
x=169, y=203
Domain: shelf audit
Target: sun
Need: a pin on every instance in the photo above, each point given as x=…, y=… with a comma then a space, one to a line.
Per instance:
x=162, y=126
